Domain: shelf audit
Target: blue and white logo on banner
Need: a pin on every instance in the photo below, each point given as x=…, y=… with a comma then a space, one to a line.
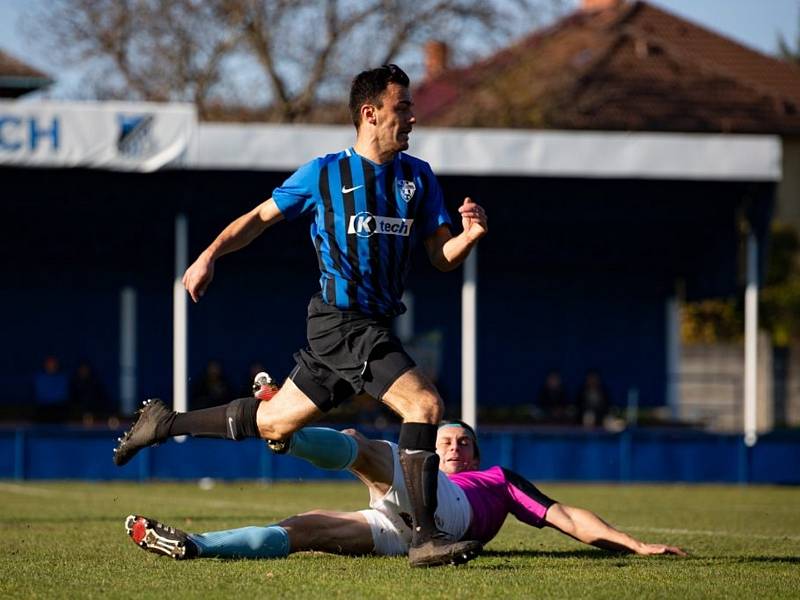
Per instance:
x=135, y=135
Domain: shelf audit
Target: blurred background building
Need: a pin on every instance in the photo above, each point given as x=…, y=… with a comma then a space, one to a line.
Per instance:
x=18, y=79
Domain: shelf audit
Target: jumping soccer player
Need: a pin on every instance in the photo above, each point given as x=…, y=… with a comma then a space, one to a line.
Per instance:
x=370, y=204
x=472, y=504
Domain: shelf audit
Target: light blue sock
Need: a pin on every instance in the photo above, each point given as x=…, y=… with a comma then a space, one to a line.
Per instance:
x=245, y=542
x=324, y=448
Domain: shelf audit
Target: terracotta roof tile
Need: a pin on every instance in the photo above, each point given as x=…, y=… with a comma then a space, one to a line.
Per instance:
x=633, y=66
x=707, y=46
x=17, y=78
x=13, y=67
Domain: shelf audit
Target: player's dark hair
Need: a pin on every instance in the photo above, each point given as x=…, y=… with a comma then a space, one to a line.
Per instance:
x=468, y=429
x=368, y=87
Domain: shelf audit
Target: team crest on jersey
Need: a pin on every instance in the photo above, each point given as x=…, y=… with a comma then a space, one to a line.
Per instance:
x=407, y=189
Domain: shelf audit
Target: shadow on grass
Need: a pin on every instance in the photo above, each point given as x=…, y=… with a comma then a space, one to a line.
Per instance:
x=582, y=553
x=603, y=555
x=753, y=559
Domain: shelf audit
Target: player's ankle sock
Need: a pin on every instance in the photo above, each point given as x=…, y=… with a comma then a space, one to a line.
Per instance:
x=418, y=436
x=324, y=448
x=233, y=421
x=245, y=542
x=420, y=465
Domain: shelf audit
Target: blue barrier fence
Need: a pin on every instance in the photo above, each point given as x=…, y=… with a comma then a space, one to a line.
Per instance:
x=633, y=455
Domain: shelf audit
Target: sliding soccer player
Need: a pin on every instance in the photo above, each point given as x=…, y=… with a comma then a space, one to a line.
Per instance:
x=472, y=504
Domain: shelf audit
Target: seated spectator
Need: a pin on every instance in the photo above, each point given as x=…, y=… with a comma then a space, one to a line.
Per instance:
x=87, y=396
x=554, y=402
x=50, y=392
x=593, y=400
x=212, y=388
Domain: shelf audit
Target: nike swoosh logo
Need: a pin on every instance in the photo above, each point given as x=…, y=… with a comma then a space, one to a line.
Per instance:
x=346, y=190
x=230, y=426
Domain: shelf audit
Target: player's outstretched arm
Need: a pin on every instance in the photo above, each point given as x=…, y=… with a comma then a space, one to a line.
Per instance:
x=236, y=235
x=587, y=527
x=447, y=252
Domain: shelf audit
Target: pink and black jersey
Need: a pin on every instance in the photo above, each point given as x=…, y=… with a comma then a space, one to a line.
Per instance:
x=493, y=494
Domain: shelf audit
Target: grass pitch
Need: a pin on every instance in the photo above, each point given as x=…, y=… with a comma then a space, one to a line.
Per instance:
x=67, y=540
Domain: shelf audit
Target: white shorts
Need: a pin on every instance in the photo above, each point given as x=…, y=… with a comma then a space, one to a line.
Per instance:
x=390, y=515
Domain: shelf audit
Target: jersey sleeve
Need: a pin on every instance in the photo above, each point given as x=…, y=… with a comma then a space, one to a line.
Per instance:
x=434, y=212
x=526, y=502
x=295, y=197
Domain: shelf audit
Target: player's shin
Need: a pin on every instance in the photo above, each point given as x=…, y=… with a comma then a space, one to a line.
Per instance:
x=245, y=542
x=420, y=465
x=324, y=448
x=430, y=547
x=233, y=421
x=155, y=423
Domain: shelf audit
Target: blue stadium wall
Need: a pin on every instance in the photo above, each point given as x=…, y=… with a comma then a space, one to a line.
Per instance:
x=573, y=275
x=544, y=454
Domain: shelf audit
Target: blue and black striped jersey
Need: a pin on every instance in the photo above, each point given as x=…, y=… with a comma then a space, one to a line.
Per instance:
x=366, y=219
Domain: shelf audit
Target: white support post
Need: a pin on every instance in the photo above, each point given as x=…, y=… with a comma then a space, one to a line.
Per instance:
x=127, y=350
x=751, y=341
x=404, y=324
x=469, y=340
x=179, y=315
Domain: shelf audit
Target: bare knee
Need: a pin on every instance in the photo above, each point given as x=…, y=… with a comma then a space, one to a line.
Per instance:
x=369, y=450
x=374, y=463
x=289, y=410
x=426, y=407
x=415, y=398
x=432, y=409
x=274, y=430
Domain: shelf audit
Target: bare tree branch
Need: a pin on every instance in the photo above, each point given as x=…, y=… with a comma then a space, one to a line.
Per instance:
x=304, y=50
x=786, y=51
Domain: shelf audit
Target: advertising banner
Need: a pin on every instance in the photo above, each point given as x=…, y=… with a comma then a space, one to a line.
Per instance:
x=126, y=136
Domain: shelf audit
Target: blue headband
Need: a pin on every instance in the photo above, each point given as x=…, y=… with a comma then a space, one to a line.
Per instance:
x=463, y=426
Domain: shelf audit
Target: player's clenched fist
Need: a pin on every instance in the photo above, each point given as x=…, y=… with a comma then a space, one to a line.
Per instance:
x=473, y=219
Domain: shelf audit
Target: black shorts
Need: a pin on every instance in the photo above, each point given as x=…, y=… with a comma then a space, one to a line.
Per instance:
x=348, y=353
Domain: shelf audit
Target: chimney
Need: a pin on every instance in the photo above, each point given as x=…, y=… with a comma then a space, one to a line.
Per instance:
x=593, y=5
x=436, y=55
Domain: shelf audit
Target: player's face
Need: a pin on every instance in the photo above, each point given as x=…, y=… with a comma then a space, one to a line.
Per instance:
x=456, y=450
x=395, y=118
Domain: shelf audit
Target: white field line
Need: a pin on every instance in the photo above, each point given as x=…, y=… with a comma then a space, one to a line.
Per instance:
x=757, y=536
x=26, y=490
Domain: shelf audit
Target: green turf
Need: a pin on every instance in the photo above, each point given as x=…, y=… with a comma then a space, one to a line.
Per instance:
x=67, y=540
